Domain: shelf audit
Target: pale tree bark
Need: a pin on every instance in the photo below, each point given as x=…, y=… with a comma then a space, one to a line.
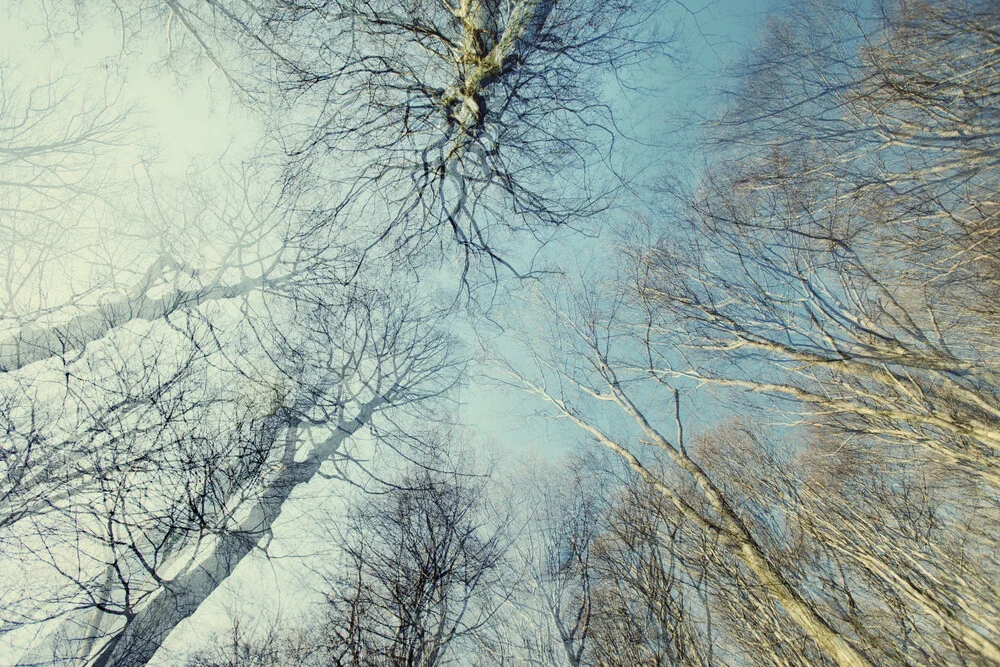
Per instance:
x=839, y=253
x=485, y=51
x=592, y=373
x=973, y=630
x=67, y=340
x=145, y=631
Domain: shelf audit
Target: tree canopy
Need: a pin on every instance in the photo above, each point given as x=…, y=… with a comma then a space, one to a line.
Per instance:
x=772, y=379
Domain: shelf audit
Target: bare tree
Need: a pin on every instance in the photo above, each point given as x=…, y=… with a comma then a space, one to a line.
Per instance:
x=835, y=258
x=607, y=572
x=172, y=493
x=385, y=356
x=885, y=537
x=588, y=365
x=730, y=527
x=451, y=127
x=140, y=417
x=850, y=268
x=465, y=123
x=552, y=604
x=176, y=247
x=421, y=568
x=653, y=582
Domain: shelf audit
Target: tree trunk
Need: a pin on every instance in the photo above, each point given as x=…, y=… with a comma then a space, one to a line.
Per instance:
x=145, y=632
x=36, y=343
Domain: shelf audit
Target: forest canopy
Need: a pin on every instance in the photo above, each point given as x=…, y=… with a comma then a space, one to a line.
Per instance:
x=421, y=341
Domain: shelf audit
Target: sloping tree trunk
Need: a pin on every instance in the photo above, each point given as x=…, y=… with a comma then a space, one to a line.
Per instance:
x=143, y=633
x=584, y=325
x=33, y=343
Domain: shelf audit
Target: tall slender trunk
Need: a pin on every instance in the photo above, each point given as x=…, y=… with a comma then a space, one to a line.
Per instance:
x=737, y=537
x=144, y=633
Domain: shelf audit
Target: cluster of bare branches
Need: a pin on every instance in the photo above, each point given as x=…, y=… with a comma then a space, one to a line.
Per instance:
x=468, y=123
x=159, y=409
x=853, y=269
x=474, y=129
x=830, y=270
x=157, y=465
x=832, y=275
x=422, y=574
x=227, y=336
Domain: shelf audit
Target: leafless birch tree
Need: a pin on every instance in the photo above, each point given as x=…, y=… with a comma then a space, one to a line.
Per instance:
x=586, y=367
x=851, y=267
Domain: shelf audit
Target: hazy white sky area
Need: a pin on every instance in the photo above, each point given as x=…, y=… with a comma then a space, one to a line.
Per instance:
x=185, y=117
x=178, y=125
